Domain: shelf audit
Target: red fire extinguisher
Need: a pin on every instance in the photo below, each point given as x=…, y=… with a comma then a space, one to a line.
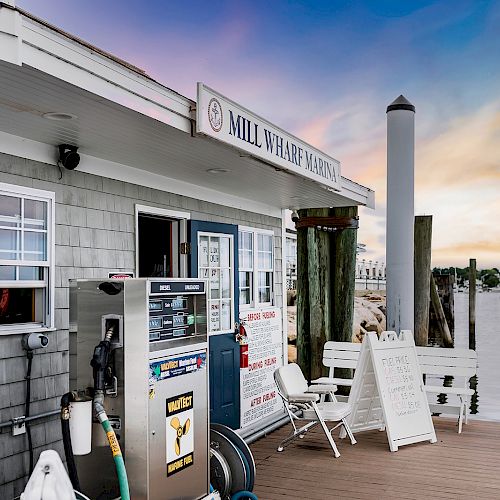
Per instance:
x=242, y=339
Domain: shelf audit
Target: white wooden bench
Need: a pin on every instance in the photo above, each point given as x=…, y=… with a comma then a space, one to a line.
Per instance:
x=338, y=355
x=461, y=364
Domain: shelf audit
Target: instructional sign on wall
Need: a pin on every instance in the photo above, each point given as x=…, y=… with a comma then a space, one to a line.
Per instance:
x=388, y=391
x=180, y=432
x=259, y=397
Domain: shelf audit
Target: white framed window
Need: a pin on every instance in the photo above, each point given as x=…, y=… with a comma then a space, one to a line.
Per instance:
x=26, y=259
x=215, y=264
x=256, y=267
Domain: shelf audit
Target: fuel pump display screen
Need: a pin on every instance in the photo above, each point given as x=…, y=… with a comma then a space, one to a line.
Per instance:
x=178, y=321
x=156, y=305
x=178, y=304
x=155, y=323
x=177, y=314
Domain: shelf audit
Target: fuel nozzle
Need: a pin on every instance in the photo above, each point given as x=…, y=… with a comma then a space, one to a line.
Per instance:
x=100, y=359
x=99, y=363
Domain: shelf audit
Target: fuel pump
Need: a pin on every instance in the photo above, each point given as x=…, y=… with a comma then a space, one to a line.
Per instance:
x=139, y=350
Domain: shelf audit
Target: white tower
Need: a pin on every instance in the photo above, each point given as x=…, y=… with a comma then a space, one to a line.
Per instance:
x=400, y=214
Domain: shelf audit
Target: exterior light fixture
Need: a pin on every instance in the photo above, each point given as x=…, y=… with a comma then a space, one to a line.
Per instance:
x=59, y=117
x=218, y=170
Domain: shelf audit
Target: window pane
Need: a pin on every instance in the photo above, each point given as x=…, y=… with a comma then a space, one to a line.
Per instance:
x=17, y=305
x=224, y=252
x=246, y=286
x=35, y=245
x=245, y=298
x=35, y=214
x=245, y=279
x=7, y=273
x=214, y=316
x=225, y=317
x=265, y=287
x=214, y=252
x=226, y=283
x=265, y=260
x=10, y=211
x=9, y=244
x=265, y=242
x=203, y=251
x=30, y=273
x=214, y=284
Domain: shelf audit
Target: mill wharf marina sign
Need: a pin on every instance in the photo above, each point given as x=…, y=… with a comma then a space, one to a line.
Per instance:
x=220, y=118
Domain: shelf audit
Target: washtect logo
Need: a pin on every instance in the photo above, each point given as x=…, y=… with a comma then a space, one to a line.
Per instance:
x=215, y=114
x=179, y=432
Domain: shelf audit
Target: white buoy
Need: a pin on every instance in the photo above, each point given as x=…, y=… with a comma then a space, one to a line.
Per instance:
x=80, y=427
x=400, y=214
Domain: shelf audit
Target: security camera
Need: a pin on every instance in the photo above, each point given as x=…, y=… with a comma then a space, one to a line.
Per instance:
x=68, y=156
x=295, y=216
x=35, y=341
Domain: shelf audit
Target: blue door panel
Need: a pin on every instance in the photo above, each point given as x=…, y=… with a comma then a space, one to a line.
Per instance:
x=224, y=351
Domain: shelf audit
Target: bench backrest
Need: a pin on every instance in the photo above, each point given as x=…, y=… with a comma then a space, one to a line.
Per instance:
x=444, y=361
x=432, y=360
x=340, y=355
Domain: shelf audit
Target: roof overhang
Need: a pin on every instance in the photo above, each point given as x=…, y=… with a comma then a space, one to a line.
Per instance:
x=131, y=128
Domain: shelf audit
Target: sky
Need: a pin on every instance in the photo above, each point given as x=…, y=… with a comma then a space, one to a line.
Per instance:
x=326, y=71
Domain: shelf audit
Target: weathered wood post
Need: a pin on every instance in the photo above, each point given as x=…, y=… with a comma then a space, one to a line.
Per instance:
x=313, y=294
x=326, y=260
x=442, y=324
x=400, y=214
x=422, y=258
x=472, y=304
x=343, y=275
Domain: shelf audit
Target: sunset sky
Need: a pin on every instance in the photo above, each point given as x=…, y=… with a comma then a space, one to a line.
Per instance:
x=325, y=71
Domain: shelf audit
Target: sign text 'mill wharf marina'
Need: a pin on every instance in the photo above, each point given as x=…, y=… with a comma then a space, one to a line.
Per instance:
x=222, y=119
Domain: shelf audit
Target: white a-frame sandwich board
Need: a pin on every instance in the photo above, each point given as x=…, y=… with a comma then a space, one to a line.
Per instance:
x=388, y=392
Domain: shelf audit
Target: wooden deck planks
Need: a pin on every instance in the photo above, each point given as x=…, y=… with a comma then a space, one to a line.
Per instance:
x=457, y=466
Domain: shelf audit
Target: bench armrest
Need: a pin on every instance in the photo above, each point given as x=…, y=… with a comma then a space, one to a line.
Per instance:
x=303, y=398
x=322, y=388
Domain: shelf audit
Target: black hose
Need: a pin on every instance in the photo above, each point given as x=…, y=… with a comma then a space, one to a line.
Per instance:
x=29, y=355
x=68, y=449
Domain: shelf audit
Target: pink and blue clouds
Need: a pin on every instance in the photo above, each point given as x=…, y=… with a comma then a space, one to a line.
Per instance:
x=326, y=70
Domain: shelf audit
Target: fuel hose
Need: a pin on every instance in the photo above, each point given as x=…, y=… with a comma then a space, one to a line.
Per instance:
x=115, y=449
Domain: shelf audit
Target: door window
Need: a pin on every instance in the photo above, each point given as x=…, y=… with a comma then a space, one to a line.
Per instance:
x=215, y=265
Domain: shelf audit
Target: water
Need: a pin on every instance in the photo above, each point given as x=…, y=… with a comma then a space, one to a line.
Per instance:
x=487, y=348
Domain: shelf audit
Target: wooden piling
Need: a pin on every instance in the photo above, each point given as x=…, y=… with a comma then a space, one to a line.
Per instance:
x=444, y=331
x=472, y=303
x=343, y=275
x=326, y=263
x=343, y=272
x=313, y=295
x=422, y=268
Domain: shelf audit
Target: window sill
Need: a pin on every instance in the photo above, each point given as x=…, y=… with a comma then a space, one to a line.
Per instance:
x=25, y=328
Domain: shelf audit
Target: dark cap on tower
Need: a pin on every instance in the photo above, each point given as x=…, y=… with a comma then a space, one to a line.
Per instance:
x=401, y=103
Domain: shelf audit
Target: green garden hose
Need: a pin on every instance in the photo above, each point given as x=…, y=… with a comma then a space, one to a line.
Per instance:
x=115, y=449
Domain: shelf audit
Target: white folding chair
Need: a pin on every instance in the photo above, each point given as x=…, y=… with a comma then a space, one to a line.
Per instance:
x=302, y=402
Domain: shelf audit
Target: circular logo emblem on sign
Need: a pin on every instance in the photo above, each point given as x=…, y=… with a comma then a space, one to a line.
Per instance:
x=215, y=114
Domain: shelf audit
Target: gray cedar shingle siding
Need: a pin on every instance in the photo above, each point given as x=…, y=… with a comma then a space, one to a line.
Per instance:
x=95, y=233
